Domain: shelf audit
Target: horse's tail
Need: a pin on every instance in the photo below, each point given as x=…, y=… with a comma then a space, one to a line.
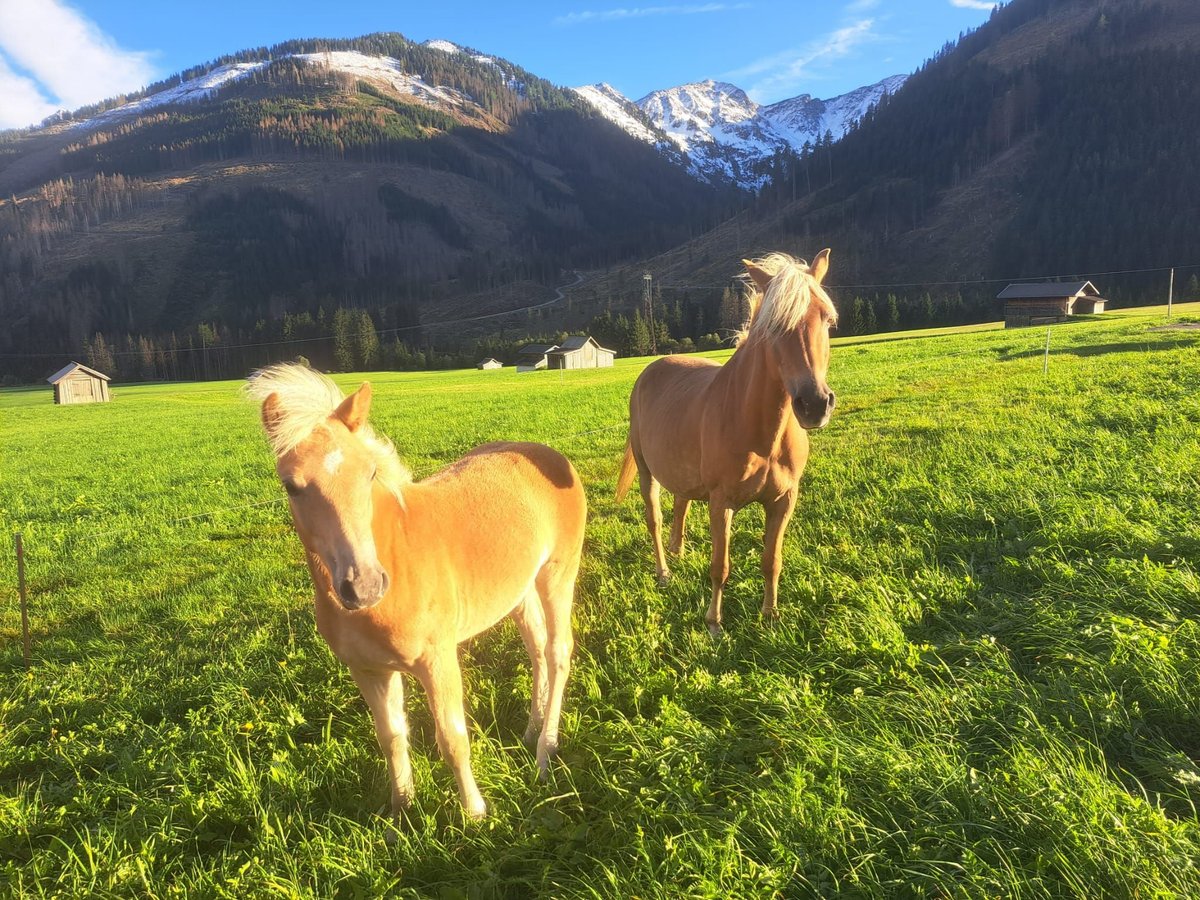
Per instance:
x=628, y=470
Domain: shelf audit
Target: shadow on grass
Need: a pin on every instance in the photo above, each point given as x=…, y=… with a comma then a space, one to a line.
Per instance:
x=1087, y=350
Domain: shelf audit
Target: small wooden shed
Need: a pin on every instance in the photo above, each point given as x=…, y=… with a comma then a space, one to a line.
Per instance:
x=490, y=363
x=580, y=351
x=1037, y=304
x=76, y=383
x=532, y=357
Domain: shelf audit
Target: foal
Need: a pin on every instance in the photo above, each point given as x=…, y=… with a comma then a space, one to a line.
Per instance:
x=404, y=572
x=735, y=434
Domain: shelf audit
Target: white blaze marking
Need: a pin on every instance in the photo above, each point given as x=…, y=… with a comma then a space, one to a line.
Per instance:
x=334, y=461
x=460, y=726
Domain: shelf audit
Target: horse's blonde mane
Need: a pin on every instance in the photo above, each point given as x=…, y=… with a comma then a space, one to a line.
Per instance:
x=787, y=299
x=304, y=400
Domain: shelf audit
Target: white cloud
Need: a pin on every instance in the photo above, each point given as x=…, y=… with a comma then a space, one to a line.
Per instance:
x=974, y=4
x=787, y=71
x=857, y=7
x=71, y=60
x=22, y=102
x=639, y=12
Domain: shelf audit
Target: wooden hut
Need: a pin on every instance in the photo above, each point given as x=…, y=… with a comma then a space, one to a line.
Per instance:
x=490, y=363
x=580, y=351
x=76, y=383
x=1039, y=304
x=532, y=357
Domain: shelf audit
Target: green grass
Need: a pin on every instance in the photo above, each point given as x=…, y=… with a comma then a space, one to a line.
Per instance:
x=986, y=682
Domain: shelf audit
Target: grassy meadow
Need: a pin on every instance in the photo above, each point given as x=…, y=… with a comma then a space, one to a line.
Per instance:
x=986, y=681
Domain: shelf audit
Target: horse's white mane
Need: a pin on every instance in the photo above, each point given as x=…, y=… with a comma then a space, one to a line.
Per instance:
x=788, y=298
x=304, y=400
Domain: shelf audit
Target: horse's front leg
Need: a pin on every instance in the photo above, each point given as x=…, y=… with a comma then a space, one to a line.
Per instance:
x=384, y=693
x=778, y=514
x=720, y=517
x=442, y=678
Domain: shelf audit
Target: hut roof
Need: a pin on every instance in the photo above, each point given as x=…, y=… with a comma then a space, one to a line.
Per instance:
x=488, y=359
x=577, y=342
x=537, y=349
x=72, y=367
x=1048, y=289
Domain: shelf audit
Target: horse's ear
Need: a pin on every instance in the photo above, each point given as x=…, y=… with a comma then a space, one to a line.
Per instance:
x=354, y=409
x=820, y=266
x=272, y=415
x=760, y=276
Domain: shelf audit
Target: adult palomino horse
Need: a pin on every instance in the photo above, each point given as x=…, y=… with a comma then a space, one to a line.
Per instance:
x=404, y=572
x=735, y=434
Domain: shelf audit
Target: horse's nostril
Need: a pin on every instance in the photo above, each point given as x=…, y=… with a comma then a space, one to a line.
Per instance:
x=383, y=583
x=832, y=399
x=347, y=591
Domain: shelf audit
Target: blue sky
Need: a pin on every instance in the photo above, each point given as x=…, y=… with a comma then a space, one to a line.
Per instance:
x=66, y=53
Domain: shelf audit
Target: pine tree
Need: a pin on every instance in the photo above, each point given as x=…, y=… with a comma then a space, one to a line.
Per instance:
x=893, y=313
x=639, y=336
x=857, y=317
x=100, y=357
x=870, y=322
x=366, y=342
x=343, y=339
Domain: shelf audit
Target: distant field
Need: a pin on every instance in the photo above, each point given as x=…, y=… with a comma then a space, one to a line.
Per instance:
x=986, y=682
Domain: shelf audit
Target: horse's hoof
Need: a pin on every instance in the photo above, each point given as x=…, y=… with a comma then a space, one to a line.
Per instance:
x=664, y=579
x=397, y=824
x=770, y=617
x=476, y=812
x=715, y=629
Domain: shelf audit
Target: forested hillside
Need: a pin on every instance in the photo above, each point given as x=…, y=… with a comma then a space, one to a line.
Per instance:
x=302, y=188
x=1059, y=138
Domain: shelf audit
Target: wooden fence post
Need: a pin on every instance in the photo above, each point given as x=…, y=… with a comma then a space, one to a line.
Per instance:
x=1046, y=363
x=24, y=597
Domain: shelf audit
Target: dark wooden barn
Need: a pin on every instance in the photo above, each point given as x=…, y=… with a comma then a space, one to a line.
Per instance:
x=1039, y=304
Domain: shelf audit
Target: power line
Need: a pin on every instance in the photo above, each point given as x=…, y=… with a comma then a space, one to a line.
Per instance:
x=381, y=332
x=899, y=284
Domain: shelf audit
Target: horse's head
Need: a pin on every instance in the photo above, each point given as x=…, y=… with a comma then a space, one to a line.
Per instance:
x=791, y=316
x=328, y=464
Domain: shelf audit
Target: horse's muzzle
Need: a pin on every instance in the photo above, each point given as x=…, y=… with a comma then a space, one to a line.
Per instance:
x=363, y=589
x=813, y=413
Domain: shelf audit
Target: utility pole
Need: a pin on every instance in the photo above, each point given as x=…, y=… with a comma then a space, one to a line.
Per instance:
x=1171, y=294
x=648, y=302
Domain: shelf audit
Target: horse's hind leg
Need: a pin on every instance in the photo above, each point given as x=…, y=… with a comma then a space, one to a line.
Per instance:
x=531, y=622
x=678, y=526
x=650, y=494
x=556, y=585
x=720, y=518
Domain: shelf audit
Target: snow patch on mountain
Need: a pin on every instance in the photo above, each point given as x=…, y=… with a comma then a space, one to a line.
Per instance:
x=444, y=46
x=189, y=91
x=390, y=72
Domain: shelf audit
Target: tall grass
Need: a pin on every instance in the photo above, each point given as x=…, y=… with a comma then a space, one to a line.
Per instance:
x=986, y=681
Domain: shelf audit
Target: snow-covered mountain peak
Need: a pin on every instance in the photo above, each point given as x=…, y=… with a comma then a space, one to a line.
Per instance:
x=618, y=109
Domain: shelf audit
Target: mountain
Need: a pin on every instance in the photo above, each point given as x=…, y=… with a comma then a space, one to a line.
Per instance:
x=1055, y=139
x=418, y=181
x=725, y=135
